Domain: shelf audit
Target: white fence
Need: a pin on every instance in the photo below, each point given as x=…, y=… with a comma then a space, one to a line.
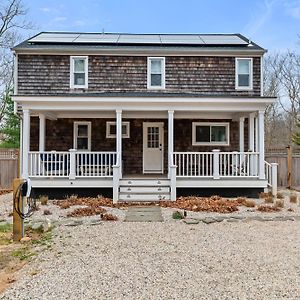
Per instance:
x=71, y=164
x=216, y=164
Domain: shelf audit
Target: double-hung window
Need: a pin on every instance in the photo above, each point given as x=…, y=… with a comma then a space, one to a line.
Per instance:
x=156, y=73
x=79, y=72
x=111, y=129
x=205, y=133
x=82, y=135
x=243, y=74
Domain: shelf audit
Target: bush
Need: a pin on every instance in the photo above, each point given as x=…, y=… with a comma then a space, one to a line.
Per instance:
x=177, y=215
x=269, y=199
x=280, y=196
x=293, y=198
x=44, y=200
x=279, y=203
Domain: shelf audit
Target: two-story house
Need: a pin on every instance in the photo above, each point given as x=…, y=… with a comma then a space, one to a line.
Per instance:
x=142, y=116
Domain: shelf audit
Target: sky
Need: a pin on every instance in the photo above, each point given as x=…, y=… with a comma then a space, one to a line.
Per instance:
x=273, y=24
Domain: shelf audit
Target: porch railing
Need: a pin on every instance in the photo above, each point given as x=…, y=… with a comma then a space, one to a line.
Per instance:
x=216, y=164
x=71, y=164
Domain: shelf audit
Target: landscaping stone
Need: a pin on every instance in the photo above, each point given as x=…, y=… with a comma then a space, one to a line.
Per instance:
x=37, y=226
x=74, y=223
x=25, y=239
x=209, y=220
x=47, y=225
x=233, y=220
x=191, y=221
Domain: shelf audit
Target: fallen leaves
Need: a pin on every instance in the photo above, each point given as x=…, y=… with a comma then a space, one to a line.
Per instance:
x=266, y=208
x=5, y=191
x=86, y=211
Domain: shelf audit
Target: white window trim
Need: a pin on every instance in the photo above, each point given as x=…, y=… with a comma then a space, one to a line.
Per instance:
x=75, y=130
x=86, y=71
x=244, y=88
x=195, y=143
x=111, y=136
x=163, y=73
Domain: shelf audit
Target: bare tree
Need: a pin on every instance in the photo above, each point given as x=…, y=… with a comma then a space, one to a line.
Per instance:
x=12, y=21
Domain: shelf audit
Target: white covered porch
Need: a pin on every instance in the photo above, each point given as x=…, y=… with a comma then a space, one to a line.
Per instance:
x=243, y=168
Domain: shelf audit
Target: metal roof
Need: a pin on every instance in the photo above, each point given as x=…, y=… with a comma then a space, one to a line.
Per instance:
x=94, y=41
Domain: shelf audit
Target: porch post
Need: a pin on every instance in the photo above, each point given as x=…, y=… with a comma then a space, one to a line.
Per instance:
x=119, y=136
x=241, y=131
x=170, y=139
x=253, y=158
x=261, y=144
x=26, y=142
x=256, y=133
x=42, y=132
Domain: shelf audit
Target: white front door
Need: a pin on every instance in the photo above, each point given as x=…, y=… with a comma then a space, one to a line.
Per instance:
x=153, y=147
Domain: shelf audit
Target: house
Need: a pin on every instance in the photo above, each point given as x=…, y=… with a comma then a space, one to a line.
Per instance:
x=142, y=116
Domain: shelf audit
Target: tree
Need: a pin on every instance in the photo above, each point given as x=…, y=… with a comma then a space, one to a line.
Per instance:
x=296, y=137
x=10, y=127
x=12, y=22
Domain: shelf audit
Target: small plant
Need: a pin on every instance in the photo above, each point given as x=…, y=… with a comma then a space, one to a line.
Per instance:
x=280, y=196
x=279, y=203
x=263, y=195
x=109, y=217
x=44, y=200
x=47, y=212
x=249, y=203
x=64, y=205
x=177, y=215
x=290, y=210
x=293, y=198
x=73, y=197
x=6, y=227
x=269, y=199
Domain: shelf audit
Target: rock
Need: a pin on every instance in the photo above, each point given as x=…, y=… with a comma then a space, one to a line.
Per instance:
x=25, y=239
x=237, y=217
x=191, y=221
x=37, y=226
x=220, y=219
x=47, y=225
x=232, y=220
x=209, y=220
x=74, y=223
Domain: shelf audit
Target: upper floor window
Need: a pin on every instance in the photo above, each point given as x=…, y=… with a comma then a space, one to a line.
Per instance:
x=79, y=72
x=82, y=135
x=111, y=129
x=156, y=73
x=243, y=74
x=210, y=133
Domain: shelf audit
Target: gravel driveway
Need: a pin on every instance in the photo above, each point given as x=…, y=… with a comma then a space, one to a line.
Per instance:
x=254, y=260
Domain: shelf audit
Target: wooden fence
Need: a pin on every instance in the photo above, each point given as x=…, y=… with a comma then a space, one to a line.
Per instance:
x=9, y=165
x=288, y=160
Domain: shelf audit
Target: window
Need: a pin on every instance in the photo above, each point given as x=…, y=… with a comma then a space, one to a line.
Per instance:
x=82, y=135
x=79, y=72
x=210, y=134
x=156, y=73
x=243, y=74
x=111, y=129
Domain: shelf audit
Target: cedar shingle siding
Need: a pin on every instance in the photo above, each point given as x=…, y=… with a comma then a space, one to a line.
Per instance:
x=59, y=136
x=50, y=74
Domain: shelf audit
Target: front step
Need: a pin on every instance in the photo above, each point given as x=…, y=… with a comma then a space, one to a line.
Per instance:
x=139, y=190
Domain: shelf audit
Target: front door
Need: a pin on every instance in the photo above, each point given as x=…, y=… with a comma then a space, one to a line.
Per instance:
x=153, y=147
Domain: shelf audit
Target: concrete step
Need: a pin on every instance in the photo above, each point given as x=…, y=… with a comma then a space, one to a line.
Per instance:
x=144, y=197
x=144, y=189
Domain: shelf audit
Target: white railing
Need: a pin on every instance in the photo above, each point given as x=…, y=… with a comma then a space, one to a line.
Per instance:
x=49, y=164
x=271, y=176
x=71, y=164
x=268, y=172
x=216, y=164
x=95, y=164
x=194, y=164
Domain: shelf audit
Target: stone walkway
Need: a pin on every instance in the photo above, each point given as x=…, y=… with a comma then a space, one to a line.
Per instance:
x=144, y=214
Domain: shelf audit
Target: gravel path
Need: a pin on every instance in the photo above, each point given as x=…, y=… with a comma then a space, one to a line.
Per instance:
x=166, y=261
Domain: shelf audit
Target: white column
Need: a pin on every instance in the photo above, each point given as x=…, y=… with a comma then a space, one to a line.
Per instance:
x=170, y=138
x=251, y=132
x=261, y=144
x=241, y=131
x=42, y=132
x=26, y=142
x=251, y=139
x=256, y=133
x=216, y=163
x=119, y=135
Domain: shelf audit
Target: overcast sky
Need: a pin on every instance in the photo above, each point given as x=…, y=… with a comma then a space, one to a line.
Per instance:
x=274, y=24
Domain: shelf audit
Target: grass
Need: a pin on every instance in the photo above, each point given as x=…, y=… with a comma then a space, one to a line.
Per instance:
x=279, y=203
x=280, y=195
x=5, y=228
x=23, y=253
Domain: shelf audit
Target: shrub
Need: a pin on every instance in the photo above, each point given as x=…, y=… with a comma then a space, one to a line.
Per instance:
x=293, y=198
x=249, y=203
x=47, y=212
x=44, y=200
x=280, y=196
x=269, y=199
x=177, y=215
x=279, y=203
x=263, y=195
